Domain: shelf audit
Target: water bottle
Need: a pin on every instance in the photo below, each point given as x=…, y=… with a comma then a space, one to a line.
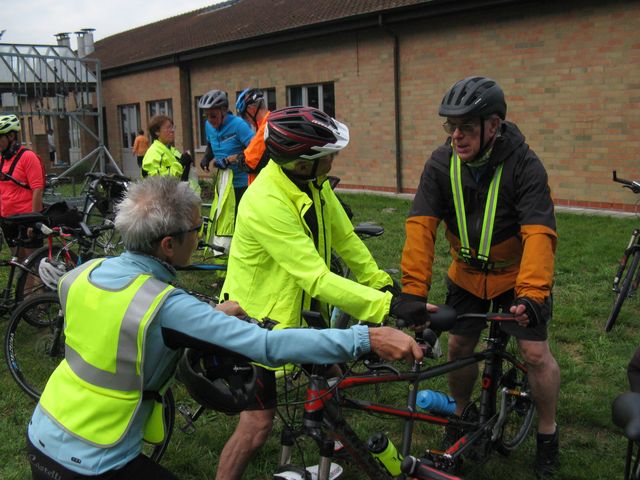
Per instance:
x=386, y=453
x=436, y=402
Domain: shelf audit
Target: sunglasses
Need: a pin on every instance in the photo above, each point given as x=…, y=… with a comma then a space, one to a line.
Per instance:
x=466, y=128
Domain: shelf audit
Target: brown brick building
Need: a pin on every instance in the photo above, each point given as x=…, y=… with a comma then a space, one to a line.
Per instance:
x=569, y=70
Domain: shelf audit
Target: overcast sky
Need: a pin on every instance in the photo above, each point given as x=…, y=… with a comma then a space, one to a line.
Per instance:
x=36, y=21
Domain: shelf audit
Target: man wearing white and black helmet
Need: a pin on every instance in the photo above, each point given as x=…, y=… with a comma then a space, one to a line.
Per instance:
x=227, y=135
x=491, y=191
x=288, y=224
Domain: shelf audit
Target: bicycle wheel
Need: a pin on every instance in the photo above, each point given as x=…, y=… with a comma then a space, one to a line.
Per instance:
x=625, y=289
x=519, y=407
x=156, y=452
x=34, y=342
x=109, y=241
x=28, y=282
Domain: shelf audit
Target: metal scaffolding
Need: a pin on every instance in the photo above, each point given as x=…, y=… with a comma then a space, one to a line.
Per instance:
x=51, y=80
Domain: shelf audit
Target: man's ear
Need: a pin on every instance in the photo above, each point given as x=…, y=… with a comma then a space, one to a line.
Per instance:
x=166, y=248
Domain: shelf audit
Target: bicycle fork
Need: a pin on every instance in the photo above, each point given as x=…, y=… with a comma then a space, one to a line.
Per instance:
x=633, y=243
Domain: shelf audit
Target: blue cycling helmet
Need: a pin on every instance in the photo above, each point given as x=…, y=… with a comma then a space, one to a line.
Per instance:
x=249, y=96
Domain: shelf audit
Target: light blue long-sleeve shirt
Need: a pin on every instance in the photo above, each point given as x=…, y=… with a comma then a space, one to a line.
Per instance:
x=185, y=315
x=233, y=136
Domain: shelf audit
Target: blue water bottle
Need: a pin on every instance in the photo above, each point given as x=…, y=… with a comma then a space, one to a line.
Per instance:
x=436, y=402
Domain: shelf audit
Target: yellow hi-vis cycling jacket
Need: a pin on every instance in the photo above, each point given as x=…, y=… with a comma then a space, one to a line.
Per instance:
x=275, y=269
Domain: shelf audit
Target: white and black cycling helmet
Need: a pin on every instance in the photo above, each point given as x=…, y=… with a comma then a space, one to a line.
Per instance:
x=303, y=133
x=214, y=99
x=51, y=271
x=9, y=123
x=223, y=382
x=474, y=97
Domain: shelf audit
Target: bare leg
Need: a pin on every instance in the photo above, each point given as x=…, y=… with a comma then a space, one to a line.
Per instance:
x=544, y=377
x=250, y=434
x=462, y=381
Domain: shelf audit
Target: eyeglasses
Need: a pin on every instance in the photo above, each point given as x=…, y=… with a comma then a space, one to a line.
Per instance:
x=466, y=128
x=181, y=232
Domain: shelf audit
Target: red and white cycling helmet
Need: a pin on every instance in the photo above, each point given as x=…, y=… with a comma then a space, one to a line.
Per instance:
x=303, y=133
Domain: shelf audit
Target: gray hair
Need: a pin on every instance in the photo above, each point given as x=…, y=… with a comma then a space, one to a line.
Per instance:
x=153, y=208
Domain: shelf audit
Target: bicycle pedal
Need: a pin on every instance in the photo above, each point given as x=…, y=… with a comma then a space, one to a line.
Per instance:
x=187, y=414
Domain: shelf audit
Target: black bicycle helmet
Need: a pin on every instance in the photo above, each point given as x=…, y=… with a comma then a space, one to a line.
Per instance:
x=249, y=96
x=474, y=97
x=225, y=382
x=214, y=99
x=303, y=133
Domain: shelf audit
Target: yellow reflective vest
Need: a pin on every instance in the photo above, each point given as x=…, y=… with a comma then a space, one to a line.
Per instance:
x=275, y=269
x=97, y=389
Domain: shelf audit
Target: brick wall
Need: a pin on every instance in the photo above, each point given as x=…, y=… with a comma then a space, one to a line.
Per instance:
x=569, y=71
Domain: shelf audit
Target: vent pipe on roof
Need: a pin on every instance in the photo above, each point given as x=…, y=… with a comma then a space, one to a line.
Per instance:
x=88, y=40
x=81, y=51
x=63, y=39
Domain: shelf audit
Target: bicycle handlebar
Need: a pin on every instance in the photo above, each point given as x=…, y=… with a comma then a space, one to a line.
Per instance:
x=421, y=470
x=633, y=185
x=445, y=317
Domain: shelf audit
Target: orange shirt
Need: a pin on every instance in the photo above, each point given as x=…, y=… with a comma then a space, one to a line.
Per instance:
x=254, y=151
x=140, y=146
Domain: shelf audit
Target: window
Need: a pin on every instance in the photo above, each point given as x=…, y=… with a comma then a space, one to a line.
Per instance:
x=74, y=133
x=320, y=96
x=270, y=94
x=200, y=119
x=159, y=107
x=129, y=123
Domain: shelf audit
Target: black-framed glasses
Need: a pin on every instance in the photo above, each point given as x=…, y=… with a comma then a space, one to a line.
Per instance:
x=181, y=232
x=466, y=128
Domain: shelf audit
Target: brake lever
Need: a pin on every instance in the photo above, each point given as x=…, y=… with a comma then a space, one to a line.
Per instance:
x=379, y=366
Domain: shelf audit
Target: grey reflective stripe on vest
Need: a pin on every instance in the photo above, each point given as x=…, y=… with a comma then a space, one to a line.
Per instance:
x=70, y=277
x=125, y=377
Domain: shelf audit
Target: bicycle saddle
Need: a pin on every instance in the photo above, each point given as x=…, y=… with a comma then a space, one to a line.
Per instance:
x=26, y=219
x=368, y=230
x=625, y=413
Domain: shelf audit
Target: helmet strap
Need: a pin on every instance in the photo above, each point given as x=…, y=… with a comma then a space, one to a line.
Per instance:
x=11, y=150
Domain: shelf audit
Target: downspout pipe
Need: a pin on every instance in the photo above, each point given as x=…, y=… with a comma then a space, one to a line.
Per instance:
x=396, y=99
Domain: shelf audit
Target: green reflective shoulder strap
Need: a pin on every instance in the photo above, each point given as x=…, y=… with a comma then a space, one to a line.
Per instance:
x=458, y=201
x=489, y=215
x=461, y=218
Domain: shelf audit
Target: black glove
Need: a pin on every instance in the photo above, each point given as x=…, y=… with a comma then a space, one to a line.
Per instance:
x=538, y=314
x=393, y=288
x=185, y=159
x=208, y=156
x=412, y=309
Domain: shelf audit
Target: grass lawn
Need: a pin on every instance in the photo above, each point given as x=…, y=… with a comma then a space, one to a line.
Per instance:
x=593, y=364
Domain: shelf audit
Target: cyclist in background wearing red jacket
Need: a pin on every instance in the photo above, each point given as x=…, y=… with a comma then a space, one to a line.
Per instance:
x=21, y=182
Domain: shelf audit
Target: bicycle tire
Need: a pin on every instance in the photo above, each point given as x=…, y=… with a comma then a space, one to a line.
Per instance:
x=520, y=409
x=624, y=290
x=33, y=349
x=31, y=263
x=156, y=452
x=109, y=241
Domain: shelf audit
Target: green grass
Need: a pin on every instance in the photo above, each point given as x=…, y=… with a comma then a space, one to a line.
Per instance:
x=592, y=364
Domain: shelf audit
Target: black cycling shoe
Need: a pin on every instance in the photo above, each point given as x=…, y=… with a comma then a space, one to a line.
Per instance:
x=547, y=453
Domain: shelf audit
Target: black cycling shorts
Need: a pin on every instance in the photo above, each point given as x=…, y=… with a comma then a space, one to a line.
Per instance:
x=266, y=396
x=141, y=467
x=465, y=302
